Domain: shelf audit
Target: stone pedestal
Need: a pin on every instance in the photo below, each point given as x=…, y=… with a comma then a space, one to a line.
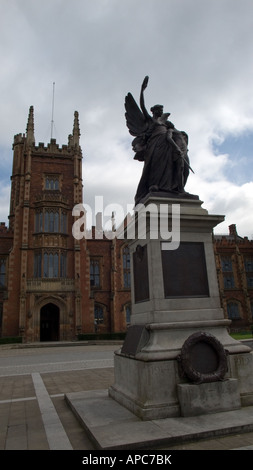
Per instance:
x=208, y=398
x=174, y=296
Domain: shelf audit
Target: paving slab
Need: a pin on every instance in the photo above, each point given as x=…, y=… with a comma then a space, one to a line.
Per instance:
x=112, y=426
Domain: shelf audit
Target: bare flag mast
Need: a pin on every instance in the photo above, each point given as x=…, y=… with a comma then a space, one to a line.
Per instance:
x=52, y=120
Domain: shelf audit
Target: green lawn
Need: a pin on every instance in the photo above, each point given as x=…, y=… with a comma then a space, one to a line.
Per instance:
x=242, y=335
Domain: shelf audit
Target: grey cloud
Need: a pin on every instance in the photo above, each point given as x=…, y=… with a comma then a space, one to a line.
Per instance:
x=197, y=54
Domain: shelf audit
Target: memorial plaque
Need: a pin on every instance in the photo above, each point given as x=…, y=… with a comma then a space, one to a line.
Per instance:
x=204, y=358
x=141, y=279
x=184, y=271
x=136, y=338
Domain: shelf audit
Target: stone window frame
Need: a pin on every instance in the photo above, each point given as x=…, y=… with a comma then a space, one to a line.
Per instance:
x=229, y=281
x=95, y=272
x=234, y=315
x=248, y=265
x=226, y=264
x=50, y=264
x=228, y=273
x=44, y=223
x=51, y=182
x=99, y=313
x=56, y=265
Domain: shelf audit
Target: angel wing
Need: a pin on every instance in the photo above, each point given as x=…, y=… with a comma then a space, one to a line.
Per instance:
x=135, y=119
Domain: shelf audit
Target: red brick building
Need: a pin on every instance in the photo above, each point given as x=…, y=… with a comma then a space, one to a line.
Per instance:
x=53, y=286
x=56, y=287
x=234, y=261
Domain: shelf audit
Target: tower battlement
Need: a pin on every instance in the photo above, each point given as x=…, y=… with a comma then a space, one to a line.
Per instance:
x=52, y=147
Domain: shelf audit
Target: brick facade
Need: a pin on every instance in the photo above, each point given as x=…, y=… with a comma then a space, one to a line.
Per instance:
x=45, y=290
x=55, y=287
x=234, y=261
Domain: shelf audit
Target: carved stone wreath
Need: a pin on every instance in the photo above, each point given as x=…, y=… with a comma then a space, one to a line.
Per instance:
x=203, y=358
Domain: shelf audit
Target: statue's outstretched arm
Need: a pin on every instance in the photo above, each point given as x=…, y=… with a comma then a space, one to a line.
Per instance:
x=142, y=103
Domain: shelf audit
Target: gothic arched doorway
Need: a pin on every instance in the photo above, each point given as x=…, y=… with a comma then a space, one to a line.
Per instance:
x=49, y=322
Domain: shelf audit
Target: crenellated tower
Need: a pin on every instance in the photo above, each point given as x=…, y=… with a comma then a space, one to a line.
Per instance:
x=44, y=294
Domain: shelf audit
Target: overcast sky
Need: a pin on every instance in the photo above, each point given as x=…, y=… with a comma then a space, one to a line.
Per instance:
x=198, y=55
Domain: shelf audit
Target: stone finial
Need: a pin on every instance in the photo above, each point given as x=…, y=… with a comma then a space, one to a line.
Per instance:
x=30, y=128
x=76, y=130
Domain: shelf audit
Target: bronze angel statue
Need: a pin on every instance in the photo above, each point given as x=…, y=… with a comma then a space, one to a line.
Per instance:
x=161, y=147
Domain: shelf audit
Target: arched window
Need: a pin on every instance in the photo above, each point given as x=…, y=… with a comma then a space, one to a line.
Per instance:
x=51, y=264
x=52, y=183
x=233, y=310
x=94, y=272
x=51, y=220
x=98, y=314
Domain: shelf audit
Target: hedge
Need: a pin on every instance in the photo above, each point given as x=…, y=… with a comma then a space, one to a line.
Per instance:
x=101, y=336
x=11, y=339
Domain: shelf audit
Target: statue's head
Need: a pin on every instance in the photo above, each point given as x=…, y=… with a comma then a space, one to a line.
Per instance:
x=157, y=110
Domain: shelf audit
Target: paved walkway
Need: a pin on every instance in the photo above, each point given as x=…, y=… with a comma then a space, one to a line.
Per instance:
x=35, y=416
